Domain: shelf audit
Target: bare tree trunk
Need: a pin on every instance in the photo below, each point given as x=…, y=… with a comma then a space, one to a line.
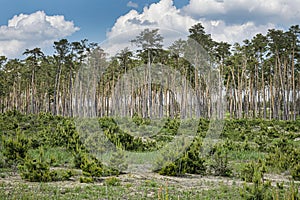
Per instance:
x=56, y=90
x=149, y=87
x=293, y=86
x=264, y=92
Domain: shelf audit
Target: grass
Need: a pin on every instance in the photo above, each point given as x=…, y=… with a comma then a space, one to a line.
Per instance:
x=58, y=156
x=132, y=186
x=247, y=155
x=146, y=190
x=94, y=191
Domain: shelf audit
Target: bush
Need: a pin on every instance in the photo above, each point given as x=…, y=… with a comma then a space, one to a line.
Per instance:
x=84, y=179
x=261, y=191
x=296, y=172
x=122, y=138
x=292, y=192
x=117, y=162
x=112, y=181
x=140, y=120
x=218, y=164
x=191, y=162
x=253, y=172
x=170, y=169
x=36, y=170
x=80, y=158
x=91, y=167
x=283, y=155
x=15, y=147
x=61, y=175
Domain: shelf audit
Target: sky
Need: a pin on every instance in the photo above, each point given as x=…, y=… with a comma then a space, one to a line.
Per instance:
x=26, y=24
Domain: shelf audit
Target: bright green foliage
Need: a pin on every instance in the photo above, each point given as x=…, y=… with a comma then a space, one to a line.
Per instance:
x=91, y=167
x=79, y=158
x=171, y=169
x=296, y=172
x=261, y=191
x=253, y=172
x=15, y=147
x=140, y=120
x=218, y=162
x=112, y=181
x=203, y=127
x=167, y=132
x=61, y=175
x=292, y=192
x=283, y=155
x=125, y=140
x=191, y=162
x=38, y=170
x=84, y=179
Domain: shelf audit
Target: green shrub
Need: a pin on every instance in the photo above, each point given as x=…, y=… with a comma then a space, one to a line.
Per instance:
x=91, y=167
x=170, y=169
x=117, y=162
x=80, y=158
x=191, y=162
x=15, y=147
x=84, y=179
x=61, y=174
x=292, y=192
x=36, y=170
x=283, y=155
x=296, y=172
x=261, y=191
x=112, y=181
x=253, y=172
x=122, y=139
x=140, y=120
x=218, y=164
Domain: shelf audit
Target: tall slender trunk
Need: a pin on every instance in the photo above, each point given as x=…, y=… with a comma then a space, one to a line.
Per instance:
x=293, y=86
x=70, y=92
x=264, y=91
x=56, y=90
x=32, y=91
x=149, y=86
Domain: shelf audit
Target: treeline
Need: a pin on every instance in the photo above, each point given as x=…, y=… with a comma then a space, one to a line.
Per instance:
x=259, y=78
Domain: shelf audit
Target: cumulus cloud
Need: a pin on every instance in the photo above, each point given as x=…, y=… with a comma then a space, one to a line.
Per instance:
x=162, y=15
x=230, y=21
x=132, y=4
x=33, y=30
x=241, y=11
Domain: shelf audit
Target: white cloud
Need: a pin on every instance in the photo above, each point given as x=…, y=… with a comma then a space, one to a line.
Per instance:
x=221, y=31
x=163, y=15
x=33, y=30
x=226, y=20
x=132, y=4
x=239, y=11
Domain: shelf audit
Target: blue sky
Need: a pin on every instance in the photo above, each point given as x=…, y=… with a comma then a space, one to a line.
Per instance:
x=40, y=22
x=93, y=17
